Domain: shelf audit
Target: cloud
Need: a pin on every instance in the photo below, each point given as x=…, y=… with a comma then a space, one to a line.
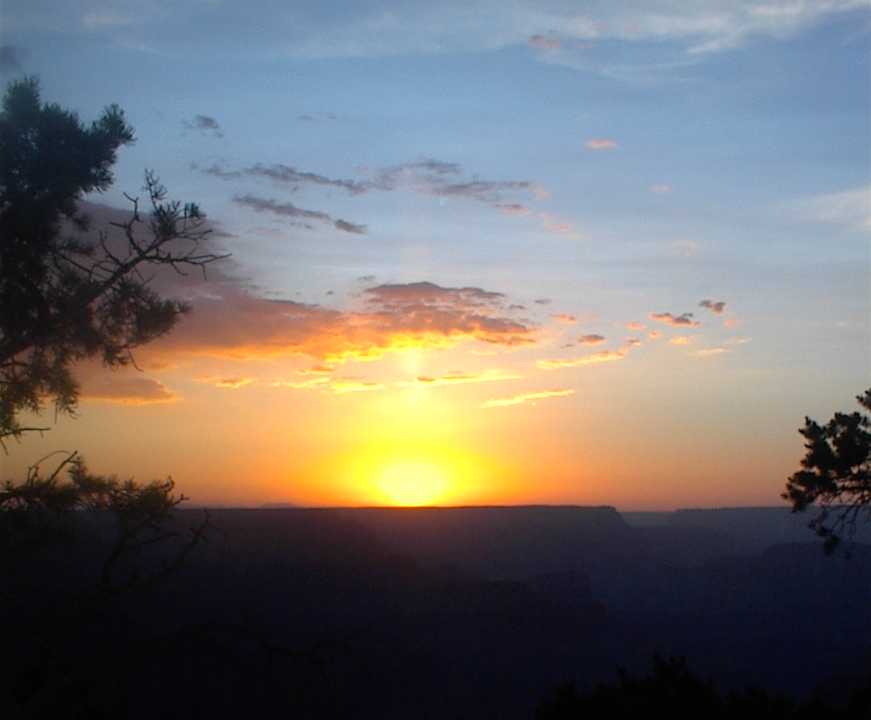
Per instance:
x=544, y=42
x=565, y=318
x=591, y=339
x=710, y=352
x=232, y=322
x=288, y=209
x=688, y=31
x=513, y=209
x=559, y=226
x=461, y=378
x=231, y=383
x=231, y=318
x=632, y=342
x=682, y=320
x=682, y=339
x=601, y=144
x=715, y=306
x=542, y=301
x=850, y=208
x=654, y=335
x=429, y=176
x=11, y=58
x=738, y=341
x=317, y=117
x=350, y=227
x=287, y=175
x=685, y=248
x=126, y=389
x=341, y=386
x=637, y=326
x=660, y=189
x=411, y=295
x=337, y=386
x=526, y=398
x=204, y=124
x=603, y=356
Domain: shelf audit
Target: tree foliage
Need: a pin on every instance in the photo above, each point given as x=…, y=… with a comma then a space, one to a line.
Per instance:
x=66, y=294
x=836, y=473
x=45, y=507
x=672, y=690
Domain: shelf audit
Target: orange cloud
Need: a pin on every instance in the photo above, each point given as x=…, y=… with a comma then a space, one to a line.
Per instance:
x=460, y=378
x=110, y=387
x=591, y=339
x=604, y=356
x=565, y=318
x=637, y=326
x=228, y=321
x=682, y=339
x=710, y=352
x=526, y=397
x=600, y=144
x=231, y=383
x=682, y=320
x=339, y=386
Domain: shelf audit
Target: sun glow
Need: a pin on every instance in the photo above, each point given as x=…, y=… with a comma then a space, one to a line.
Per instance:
x=412, y=483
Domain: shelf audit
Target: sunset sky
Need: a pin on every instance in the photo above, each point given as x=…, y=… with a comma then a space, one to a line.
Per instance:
x=482, y=252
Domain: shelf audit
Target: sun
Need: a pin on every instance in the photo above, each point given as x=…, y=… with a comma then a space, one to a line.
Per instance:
x=412, y=483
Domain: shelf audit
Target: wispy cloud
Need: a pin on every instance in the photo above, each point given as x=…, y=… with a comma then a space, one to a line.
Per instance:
x=288, y=209
x=230, y=383
x=565, y=318
x=337, y=385
x=523, y=398
x=636, y=326
x=603, y=356
x=851, y=208
x=660, y=188
x=317, y=117
x=462, y=378
x=601, y=144
x=205, y=124
x=710, y=352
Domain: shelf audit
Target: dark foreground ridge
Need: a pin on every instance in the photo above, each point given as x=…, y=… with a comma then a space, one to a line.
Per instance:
x=438, y=612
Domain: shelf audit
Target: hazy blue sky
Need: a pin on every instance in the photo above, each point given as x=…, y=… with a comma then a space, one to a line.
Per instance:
x=616, y=159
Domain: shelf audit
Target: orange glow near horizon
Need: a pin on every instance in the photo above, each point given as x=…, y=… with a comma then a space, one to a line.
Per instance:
x=411, y=483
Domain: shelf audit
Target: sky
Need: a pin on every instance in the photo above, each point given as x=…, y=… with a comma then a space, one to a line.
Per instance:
x=599, y=253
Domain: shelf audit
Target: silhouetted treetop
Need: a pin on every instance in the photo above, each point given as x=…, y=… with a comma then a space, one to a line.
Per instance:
x=836, y=474
x=66, y=295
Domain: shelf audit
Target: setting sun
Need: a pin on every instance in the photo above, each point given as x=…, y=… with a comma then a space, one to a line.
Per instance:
x=412, y=482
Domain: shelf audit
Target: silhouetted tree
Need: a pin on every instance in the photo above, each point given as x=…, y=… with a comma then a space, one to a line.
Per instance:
x=43, y=508
x=836, y=474
x=672, y=690
x=65, y=296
